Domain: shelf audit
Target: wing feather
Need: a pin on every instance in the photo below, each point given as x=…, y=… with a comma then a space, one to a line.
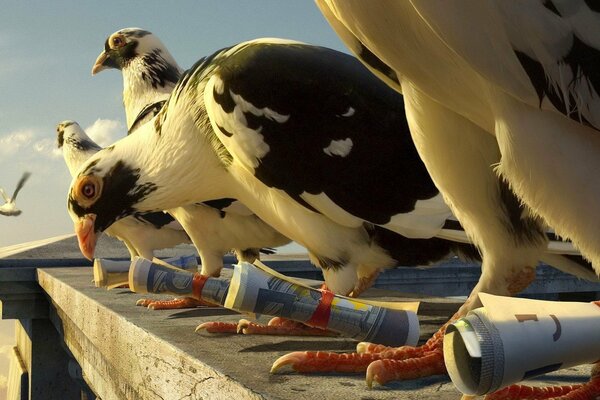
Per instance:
x=316, y=124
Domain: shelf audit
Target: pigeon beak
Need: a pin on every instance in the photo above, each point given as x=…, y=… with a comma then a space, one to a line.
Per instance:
x=101, y=63
x=86, y=235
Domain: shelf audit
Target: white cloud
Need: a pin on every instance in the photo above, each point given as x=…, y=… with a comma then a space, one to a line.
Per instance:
x=15, y=141
x=106, y=131
x=47, y=147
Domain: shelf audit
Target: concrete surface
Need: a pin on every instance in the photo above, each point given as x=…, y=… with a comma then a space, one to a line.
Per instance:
x=129, y=352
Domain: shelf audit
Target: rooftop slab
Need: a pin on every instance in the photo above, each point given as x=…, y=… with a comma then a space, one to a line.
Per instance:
x=131, y=352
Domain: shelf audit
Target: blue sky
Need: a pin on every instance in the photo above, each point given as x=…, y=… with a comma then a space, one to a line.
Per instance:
x=46, y=55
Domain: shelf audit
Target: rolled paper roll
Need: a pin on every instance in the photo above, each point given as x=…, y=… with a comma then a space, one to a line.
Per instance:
x=146, y=276
x=510, y=339
x=259, y=291
x=111, y=273
x=252, y=290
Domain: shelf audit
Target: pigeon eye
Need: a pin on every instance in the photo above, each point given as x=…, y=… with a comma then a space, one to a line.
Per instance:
x=88, y=190
x=118, y=41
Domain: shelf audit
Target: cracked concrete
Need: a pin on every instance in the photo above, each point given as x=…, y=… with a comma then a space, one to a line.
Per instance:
x=129, y=352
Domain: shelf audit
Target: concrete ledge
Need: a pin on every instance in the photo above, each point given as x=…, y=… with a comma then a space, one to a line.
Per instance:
x=131, y=352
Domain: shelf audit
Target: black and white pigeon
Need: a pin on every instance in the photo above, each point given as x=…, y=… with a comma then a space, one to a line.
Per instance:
x=9, y=208
x=517, y=80
x=265, y=123
x=149, y=75
x=310, y=156
x=142, y=233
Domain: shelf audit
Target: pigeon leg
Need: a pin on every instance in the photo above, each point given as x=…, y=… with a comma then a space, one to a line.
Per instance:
x=364, y=283
x=383, y=364
x=175, y=304
x=276, y=326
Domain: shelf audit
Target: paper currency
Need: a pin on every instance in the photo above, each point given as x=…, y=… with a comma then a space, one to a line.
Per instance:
x=111, y=274
x=511, y=339
x=146, y=276
x=254, y=290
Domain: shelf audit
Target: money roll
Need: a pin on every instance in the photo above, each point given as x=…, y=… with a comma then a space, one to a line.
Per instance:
x=146, y=276
x=252, y=290
x=255, y=290
x=112, y=273
x=510, y=340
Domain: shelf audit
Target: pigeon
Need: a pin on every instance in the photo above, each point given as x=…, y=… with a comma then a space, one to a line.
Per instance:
x=216, y=227
x=329, y=163
x=515, y=78
x=141, y=233
x=319, y=189
x=9, y=208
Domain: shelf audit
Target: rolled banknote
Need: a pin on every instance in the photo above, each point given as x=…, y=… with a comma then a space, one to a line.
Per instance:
x=147, y=276
x=510, y=339
x=111, y=273
x=253, y=290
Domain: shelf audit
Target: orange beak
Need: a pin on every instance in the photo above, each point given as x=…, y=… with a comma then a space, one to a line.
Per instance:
x=99, y=64
x=86, y=236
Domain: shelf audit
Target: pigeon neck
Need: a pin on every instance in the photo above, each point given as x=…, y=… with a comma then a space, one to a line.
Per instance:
x=177, y=160
x=141, y=87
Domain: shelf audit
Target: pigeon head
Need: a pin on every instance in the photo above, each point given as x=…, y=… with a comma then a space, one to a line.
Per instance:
x=121, y=47
x=60, y=131
x=76, y=145
x=105, y=189
x=133, y=46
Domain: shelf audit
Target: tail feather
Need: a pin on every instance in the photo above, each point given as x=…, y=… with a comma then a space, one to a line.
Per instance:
x=572, y=264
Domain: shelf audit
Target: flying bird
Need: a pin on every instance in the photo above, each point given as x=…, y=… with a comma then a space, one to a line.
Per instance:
x=518, y=78
x=9, y=208
x=141, y=233
x=216, y=227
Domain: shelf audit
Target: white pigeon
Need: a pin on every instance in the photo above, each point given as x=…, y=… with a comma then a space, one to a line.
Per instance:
x=149, y=75
x=206, y=144
x=328, y=162
x=518, y=79
x=9, y=208
x=216, y=227
x=141, y=233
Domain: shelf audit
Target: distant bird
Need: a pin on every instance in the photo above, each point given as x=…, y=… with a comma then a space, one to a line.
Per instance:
x=9, y=208
x=142, y=233
x=519, y=79
x=216, y=227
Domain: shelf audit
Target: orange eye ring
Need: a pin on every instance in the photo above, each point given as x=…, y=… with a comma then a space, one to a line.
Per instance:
x=116, y=41
x=87, y=190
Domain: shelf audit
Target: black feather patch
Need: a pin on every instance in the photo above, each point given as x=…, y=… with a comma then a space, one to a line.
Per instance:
x=219, y=204
x=413, y=252
x=136, y=33
x=524, y=229
x=60, y=138
x=82, y=144
x=328, y=98
x=375, y=62
x=158, y=71
x=146, y=114
x=158, y=219
x=120, y=194
x=584, y=62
